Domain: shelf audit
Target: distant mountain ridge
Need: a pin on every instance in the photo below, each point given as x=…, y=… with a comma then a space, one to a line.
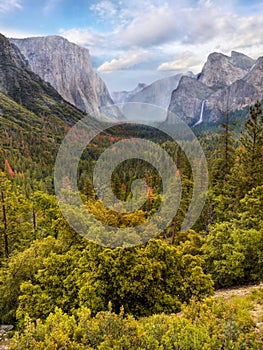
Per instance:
x=125, y=96
x=68, y=68
x=226, y=83
x=62, y=71
x=157, y=93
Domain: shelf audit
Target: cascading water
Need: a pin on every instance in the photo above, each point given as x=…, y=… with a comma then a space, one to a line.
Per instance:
x=201, y=114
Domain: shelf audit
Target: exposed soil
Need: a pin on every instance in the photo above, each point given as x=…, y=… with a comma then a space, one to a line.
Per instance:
x=237, y=291
x=257, y=312
x=4, y=344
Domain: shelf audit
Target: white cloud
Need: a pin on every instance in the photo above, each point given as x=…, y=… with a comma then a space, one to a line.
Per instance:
x=157, y=36
x=100, y=45
x=185, y=61
x=126, y=61
x=168, y=22
x=9, y=5
x=104, y=9
x=155, y=25
x=87, y=37
x=169, y=31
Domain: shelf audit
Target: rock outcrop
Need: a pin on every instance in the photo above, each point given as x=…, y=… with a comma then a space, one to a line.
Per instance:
x=220, y=70
x=224, y=84
x=26, y=88
x=16, y=78
x=68, y=68
x=255, y=75
x=187, y=99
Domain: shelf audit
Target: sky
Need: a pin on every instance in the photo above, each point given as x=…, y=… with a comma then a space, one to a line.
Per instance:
x=141, y=40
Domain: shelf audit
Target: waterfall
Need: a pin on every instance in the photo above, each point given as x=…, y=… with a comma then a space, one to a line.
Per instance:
x=201, y=114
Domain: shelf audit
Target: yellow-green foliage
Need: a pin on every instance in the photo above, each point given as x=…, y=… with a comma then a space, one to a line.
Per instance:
x=213, y=324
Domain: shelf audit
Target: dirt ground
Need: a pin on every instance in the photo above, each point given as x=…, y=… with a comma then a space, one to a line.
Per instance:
x=257, y=312
x=237, y=291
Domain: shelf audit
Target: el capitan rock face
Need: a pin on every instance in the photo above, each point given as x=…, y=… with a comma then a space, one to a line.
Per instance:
x=27, y=101
x=21, y=84
x=226, y=83
x=67, y=67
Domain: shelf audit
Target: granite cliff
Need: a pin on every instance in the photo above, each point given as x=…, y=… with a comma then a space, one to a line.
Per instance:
x=226, y=83
x=68, y=68
x=27, y=89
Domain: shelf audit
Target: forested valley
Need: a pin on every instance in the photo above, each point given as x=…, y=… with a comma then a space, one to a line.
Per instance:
x=61, y=291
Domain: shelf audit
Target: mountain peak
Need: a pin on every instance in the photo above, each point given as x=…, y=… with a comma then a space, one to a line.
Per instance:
x=68, y=68
x=10, y=54
x=242, y=61
x=220, y=70
x=140, y=86
x=225, y=83
x=27, y=89
x=158, y=92
x=126, y=96
x=237, y=54
x=216, y=55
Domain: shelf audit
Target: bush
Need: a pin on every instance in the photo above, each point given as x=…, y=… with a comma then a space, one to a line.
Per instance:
x=213, y=324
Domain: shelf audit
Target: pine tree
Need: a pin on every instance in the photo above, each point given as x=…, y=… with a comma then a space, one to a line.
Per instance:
x=224, y=156
x=220, y=196
x=247, y=172
x=252, y=152
x=4, y=183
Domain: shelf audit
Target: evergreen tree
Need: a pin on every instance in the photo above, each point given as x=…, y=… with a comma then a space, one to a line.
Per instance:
x=247, y=172
x=252, y=152
x=220, y=197
x=224, y=155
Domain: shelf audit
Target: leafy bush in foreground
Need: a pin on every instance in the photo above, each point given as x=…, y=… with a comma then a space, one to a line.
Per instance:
x=212, y=324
